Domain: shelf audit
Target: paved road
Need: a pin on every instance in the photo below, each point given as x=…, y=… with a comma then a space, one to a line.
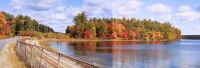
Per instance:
x=8, y=56
x=3, y=42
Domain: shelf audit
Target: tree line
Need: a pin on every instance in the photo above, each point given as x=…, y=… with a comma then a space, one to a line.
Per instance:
x=20, y=25
x=121, y=29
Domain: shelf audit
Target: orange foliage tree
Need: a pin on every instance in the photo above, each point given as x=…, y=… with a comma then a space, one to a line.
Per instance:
x=156, y=35
x=133, y=34
x=4, y=26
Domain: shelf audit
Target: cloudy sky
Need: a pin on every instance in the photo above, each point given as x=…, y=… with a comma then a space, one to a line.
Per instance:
x=58, y=14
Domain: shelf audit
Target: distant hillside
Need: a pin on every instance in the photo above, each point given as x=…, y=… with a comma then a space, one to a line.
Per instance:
x=190, y=36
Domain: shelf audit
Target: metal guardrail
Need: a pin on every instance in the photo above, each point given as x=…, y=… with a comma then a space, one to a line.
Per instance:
x=38, y=57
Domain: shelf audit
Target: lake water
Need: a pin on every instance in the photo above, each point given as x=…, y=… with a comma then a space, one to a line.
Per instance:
x=129, y=54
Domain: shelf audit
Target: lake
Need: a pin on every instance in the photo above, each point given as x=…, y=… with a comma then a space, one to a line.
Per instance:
x=132, y=54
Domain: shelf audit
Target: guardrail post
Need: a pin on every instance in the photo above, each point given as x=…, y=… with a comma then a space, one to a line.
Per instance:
x=25, y=53
x=41, y=58
x=22, y=50
x=31, y=58
x=58, y=60
x=16, y=47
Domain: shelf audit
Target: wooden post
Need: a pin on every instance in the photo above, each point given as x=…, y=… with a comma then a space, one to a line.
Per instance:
x=31, y=56
x=58, y=60
x=25, y=53
x=41, y=58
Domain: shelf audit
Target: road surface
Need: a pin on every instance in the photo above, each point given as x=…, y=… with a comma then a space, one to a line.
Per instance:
x=3, y=42
x=8, y=56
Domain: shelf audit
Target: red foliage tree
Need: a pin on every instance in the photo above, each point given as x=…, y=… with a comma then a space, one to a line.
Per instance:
x=124, y=35
x=87, y=34
x=6, y=29
x=110, y=36
x=103, y=35
x=29, y=33
x=26, y=33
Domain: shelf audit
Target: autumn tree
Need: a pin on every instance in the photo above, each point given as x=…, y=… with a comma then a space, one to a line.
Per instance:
x=80, y=20
x=4, y=26
x=26, y=24
x=117, y=28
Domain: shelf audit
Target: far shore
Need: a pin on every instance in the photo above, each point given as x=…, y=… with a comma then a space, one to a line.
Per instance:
x=54, y=39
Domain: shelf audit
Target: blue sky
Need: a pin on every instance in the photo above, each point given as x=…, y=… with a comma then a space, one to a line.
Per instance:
x=58, y=14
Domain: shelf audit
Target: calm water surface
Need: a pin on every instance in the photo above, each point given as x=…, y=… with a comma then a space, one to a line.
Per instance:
x=129, y=54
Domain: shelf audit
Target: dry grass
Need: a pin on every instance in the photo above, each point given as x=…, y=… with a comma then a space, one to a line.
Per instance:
x=8, y=57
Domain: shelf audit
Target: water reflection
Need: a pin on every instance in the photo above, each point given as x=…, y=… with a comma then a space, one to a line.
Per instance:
x=129, y=54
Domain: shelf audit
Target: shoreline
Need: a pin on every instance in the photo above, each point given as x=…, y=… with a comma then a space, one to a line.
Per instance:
x=54, y=39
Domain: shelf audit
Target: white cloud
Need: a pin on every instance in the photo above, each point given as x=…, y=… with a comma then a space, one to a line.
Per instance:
x=165, y=18
x=49, y=12
x=187, y=14
x=159, y=8
x=16, y=4
x=57, y=17
x=98, y=8
x=126, y=7
x=184, y=8
x=197, y=27
x=37, y=5
x=112, y=8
